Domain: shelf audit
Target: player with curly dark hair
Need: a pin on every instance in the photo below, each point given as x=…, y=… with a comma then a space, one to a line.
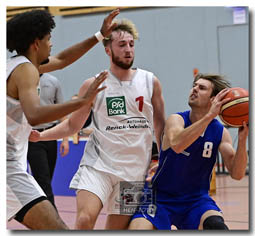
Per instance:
x=35, y=24
x=29, y=35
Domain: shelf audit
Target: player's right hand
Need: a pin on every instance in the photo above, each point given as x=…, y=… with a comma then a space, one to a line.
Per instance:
x=217, y=102
x=107, y=26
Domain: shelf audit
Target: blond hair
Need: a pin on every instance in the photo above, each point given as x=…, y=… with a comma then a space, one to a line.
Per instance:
x=122, y=25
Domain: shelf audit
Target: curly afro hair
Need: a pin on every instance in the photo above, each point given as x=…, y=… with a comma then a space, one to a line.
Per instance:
x=24, y=28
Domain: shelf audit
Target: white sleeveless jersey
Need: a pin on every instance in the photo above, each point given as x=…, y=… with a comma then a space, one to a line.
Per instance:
x=123, y=127
x=18, y=129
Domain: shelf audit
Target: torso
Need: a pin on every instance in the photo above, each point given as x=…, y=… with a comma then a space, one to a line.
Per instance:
x=123, y=123
x=189, y=173
x=18, y=128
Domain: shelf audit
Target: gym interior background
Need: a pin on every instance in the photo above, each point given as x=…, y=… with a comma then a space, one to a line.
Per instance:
x=173, y=41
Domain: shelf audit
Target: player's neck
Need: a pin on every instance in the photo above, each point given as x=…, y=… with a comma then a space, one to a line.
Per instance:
x=197, y=114
x=122, y=74
x=32, y=57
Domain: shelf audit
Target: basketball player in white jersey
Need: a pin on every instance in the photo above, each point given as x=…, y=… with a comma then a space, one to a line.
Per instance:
x=125, y=115
x=29, y=35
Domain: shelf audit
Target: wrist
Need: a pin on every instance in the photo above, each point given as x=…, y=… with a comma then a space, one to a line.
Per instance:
x=99, y=36
x=209, y=117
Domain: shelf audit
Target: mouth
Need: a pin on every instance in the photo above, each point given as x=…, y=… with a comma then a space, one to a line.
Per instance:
x=192, y=96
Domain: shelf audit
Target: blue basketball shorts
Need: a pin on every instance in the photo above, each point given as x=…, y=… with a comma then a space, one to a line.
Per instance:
x=183, y=213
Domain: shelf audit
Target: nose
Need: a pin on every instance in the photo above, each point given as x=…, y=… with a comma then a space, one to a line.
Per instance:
x=195, y=89
x=127, y=49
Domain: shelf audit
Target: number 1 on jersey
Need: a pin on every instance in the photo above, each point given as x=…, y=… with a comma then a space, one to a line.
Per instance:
x=140, y=105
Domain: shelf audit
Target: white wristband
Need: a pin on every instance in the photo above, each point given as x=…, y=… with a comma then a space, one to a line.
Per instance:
x=99, y=36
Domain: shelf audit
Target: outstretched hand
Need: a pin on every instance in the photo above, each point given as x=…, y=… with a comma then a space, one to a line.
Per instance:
x=94, y=89
x=107, y=26
x=34, y=136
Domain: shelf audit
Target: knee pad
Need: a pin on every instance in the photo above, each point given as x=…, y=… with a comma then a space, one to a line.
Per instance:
x=214, y=222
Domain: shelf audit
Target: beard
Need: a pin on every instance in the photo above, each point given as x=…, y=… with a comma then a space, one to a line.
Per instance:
x=45, y=61
x=121, y=64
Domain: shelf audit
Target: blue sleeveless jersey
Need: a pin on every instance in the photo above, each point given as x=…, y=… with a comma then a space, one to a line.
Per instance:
x=188, y=174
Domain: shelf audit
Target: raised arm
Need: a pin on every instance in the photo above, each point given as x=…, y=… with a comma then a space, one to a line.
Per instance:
x=235, y=161
x=73, y=53
x=26, y=79
x=179, y=138
x=77, y=119
x=158, y=111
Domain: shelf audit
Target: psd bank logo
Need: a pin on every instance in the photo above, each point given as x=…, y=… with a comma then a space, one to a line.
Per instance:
x=116, y=106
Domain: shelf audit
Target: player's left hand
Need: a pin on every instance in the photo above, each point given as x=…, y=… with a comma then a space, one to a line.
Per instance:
x=34, y=136
x=107, y=26
x=243, y=131
x=151, y=172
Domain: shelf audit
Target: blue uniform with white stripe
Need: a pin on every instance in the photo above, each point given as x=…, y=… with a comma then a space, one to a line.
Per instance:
x=181, y=184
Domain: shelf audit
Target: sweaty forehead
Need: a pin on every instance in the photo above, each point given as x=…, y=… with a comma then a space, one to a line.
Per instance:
x=121, y=36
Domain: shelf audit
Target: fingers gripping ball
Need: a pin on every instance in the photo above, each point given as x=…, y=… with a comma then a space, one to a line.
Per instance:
x=235, y=111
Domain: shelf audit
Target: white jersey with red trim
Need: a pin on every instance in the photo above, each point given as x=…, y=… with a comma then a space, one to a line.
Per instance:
x=123, y=127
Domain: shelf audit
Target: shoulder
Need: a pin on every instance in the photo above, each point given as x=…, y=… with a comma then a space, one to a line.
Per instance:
x=226, y=137
x=25, y=71
x=174, y=119
x=145, y=73
x=184, y=114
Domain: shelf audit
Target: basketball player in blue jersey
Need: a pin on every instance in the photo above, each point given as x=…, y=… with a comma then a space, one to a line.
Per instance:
x=190, y=144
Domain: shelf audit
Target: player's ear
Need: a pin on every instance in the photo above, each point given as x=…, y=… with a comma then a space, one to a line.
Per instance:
x=108, y=51
x=36, y=44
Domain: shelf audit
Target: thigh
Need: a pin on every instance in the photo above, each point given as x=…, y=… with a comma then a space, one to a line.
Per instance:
x=93, y=181
x=21, y=189
x=194, y=215
x=157, y=214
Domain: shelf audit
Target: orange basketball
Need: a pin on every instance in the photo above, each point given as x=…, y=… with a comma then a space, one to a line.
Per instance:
x=235, y=111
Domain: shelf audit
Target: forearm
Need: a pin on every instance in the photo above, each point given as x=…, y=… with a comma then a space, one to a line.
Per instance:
x=240, y=161
x=159, y=125
x=62, y=130
x=45, y=114
x=189, y=135
x=70, y=55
